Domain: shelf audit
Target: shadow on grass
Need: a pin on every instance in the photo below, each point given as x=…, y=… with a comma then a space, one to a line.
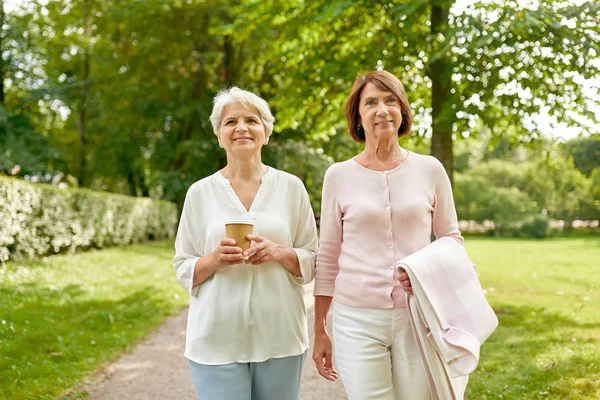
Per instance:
x=150, y=248
x=153, y=248
x=538, y=354
x=51, y=339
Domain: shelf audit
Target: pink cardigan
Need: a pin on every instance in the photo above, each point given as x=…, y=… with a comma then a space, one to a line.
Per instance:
x=372, y=219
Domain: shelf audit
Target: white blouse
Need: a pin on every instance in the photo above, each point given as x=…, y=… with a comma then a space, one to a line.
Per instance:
x=244, y=312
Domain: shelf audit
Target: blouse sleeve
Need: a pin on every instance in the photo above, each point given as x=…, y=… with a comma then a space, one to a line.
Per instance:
x=188, y=248
x=329, y=252
x=445, y=220
x=305, y=239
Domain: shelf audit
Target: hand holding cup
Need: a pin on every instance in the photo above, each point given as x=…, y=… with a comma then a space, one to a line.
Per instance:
x=227, y=253
x=238, y=229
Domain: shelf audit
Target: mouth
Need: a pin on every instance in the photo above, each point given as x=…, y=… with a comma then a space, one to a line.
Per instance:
x=242, y=139
x=384, y=123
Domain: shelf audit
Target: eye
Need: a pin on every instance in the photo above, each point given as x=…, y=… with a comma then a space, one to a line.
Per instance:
x=370, y=102
x=230, y=122
x=391, y=100
x=253, y=120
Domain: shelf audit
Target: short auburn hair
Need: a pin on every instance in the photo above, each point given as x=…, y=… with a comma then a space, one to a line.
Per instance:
x=386, y=82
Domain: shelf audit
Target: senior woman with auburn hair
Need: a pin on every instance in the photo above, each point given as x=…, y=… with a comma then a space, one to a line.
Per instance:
x=247, y=332
x=377, y=208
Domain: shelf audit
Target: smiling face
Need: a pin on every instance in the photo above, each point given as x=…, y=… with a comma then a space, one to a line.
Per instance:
x=241, y=130
x=380, y=112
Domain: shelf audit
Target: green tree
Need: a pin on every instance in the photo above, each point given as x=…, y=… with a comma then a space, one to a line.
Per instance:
x=23, y=149
x=585, y=152
x=559, y=187
x=498, y=62
x=478, y=199
x=138, y=93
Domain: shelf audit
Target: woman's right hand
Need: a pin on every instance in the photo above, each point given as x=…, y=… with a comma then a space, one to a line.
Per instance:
x=227, y=254
x=322, y=356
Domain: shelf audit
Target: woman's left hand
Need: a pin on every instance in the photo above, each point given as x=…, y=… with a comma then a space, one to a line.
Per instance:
x=405, y=282
x=263, y=250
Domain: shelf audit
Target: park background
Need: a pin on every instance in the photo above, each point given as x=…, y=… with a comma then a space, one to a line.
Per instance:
x=104, y=108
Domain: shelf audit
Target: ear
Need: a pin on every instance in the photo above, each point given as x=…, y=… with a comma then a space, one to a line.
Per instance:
x=219, y=140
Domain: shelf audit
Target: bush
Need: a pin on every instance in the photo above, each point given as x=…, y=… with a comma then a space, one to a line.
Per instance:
x=478, y=200
x=536, y=226
x=40, y=219
x=307, y=163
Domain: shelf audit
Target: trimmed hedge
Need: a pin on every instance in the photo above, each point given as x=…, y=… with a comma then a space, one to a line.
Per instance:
x=41, y=219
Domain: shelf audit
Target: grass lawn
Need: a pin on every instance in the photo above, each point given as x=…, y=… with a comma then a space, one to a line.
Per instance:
x=63, y=317
x=547, y=298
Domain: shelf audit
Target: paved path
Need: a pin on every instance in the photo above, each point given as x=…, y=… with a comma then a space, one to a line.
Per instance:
x=156, y=369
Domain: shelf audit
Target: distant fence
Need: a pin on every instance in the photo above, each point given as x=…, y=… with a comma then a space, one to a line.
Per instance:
x=487, y=226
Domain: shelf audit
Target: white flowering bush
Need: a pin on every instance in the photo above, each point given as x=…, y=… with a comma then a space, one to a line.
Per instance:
x=39, y=219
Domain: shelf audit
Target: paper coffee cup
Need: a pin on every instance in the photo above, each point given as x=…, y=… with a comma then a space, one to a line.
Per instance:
x=238, y=229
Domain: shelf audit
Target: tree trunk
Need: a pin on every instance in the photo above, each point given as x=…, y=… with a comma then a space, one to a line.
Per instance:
x=440, y=73
x=81, y=118
x=228, y=67
x=82, y=139
x=132, y=181
x=145, y=190
x=197, y=95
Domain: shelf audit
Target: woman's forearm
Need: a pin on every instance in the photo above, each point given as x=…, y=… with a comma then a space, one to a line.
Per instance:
x=204, y=268
x=322, y=305
x=289, y=260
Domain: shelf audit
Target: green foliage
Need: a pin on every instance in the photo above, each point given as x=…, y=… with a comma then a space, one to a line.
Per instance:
x=595, y=184
x=513, y=58
x=502, y=62
x=121, y=100
x=536, y=226
x=22, y=146
x=478, y=199
x=589, y=207
x=64, y=317
x=40, y=219
x=513, y=195
x=492, y=191
x=306, y=163
x=585, y=152
x=555, y=183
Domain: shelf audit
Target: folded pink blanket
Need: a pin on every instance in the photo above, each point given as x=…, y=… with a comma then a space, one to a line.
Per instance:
x=449, y=312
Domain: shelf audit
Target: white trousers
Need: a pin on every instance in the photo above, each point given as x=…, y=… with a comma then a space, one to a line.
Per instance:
x=376, y=355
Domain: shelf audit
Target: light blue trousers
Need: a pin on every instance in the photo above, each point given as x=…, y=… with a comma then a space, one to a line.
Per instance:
x=273, y=379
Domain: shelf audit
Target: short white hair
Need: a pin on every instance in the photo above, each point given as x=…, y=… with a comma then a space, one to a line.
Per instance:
x=248, y=99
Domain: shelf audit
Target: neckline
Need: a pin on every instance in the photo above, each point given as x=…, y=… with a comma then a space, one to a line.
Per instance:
x=235, y=199
x=387, y=171
x=265, y=177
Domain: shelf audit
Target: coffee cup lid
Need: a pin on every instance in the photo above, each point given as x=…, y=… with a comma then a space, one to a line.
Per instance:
x=239, y=220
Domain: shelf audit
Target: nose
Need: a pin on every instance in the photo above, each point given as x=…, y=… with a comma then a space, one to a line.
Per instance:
x=382, y=109
x=241, y=126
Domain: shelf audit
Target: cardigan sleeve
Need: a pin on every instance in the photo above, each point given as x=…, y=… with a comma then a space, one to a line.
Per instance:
x=327, y=266
x=305, y=238
x=187, y=250
x=445, y=220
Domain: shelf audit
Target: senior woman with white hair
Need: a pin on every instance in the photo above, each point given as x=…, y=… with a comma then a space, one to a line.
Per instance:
x=247, y=332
